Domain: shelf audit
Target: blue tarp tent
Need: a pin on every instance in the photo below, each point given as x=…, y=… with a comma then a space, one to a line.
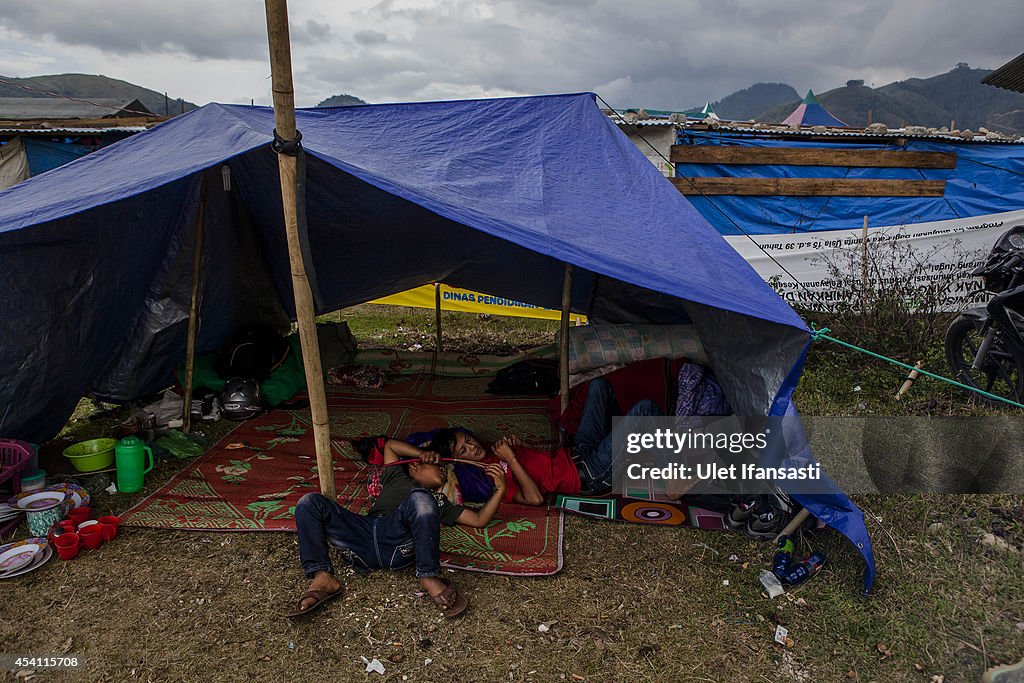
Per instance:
x=46, y=155
x=492, y=195
x=810, y=112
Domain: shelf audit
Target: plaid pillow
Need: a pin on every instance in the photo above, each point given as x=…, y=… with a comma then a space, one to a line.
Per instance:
x=595, y=346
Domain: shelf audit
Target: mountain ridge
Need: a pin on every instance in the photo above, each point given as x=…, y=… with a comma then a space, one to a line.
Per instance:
x=955, y=99
x=85, y=86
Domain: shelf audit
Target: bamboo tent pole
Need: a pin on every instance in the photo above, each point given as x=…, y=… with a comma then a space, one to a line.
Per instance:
x=437, y=317
x=864, y=260
x=193, y=309
x=285, y=129
x=563, y=339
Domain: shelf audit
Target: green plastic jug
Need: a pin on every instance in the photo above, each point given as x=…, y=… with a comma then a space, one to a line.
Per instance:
x=130, y=455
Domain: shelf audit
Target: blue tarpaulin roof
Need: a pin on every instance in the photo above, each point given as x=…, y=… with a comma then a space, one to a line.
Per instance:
x=494, y=195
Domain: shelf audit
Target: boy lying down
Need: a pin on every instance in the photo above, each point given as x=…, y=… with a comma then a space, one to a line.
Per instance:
x=403, y=527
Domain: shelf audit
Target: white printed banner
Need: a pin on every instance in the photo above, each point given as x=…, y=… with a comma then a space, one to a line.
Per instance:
x=935, y=250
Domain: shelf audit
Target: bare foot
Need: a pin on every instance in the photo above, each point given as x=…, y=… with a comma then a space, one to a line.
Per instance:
x=433, y=585
x=322, y=581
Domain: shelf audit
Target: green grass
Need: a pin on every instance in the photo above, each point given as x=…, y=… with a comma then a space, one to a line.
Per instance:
x=414, y=328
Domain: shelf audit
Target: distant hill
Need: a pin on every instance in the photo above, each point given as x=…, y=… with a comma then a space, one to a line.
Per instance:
x=851, y=105
x=89, y=86
x=343, y=100
x=750, y=102
x=956, y=97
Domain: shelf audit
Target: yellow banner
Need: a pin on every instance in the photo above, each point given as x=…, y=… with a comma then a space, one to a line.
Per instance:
x=455, y=299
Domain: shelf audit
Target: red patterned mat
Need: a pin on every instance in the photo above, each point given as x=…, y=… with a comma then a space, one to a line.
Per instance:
x=255, y=487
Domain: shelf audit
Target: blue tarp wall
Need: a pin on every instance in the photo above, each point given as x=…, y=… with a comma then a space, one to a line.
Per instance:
x=46, y=155
x=987, y=179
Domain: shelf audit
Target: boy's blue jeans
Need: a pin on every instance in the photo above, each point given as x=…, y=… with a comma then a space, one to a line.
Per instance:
x=593, y=442
x=391, y=541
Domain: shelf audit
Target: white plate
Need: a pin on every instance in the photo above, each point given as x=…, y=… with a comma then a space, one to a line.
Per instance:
x=76, y=494
x=43, y=500
x=38, y=561
x=13, y=559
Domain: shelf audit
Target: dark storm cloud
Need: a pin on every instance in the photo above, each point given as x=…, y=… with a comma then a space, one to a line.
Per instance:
x=370, y=37
x=654, y=53
x=224, y=29
x=672, y=54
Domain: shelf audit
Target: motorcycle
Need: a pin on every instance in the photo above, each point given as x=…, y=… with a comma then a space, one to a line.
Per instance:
x=985, y=345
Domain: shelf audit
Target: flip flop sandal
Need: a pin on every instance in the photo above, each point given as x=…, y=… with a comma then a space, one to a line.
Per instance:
x=451, y=601
x=321, y=598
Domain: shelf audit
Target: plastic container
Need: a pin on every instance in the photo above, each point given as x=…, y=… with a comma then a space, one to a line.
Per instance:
x=799, y=573
x=33, y=482
x=13, y=455
x=782, y=562
x=131, y=456
x=32, y=466
x=91, y=455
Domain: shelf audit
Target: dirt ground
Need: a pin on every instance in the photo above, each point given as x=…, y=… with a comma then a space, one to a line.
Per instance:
x=633, y=603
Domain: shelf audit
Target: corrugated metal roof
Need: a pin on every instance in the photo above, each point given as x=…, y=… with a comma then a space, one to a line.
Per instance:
x=769, y=129
x=23, y=108
x=774, y=129
x=646, y=122
x=72, y=131
x=1009, y=76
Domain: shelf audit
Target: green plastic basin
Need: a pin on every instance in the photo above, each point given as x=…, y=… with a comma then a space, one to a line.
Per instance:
x=91, y=455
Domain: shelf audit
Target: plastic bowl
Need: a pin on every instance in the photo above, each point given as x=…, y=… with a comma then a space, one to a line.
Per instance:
x=91, y=455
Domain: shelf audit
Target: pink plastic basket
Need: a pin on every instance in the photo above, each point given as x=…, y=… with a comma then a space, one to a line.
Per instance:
x=13, y=454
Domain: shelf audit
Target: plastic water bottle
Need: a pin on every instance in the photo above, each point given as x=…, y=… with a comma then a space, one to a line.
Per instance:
x=804, y=570
x=782, y=562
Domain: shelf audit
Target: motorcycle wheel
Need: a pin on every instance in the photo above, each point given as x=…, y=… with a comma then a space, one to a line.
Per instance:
x=1001, y=374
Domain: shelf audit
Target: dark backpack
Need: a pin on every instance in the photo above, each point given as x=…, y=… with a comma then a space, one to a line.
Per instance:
x=534, y=376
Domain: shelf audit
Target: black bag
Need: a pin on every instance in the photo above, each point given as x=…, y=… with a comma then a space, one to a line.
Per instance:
x=337, y=344
x=535, y=376
x=254, y=351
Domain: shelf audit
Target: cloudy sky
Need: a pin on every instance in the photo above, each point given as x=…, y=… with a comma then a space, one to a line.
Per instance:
x=666, y=54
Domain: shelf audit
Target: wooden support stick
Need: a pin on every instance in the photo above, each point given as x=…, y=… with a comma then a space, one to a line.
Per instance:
x=284, y=122
x=795, y=523
x=909, y=381
x=437, y=316
x=563, y=339
x=864, y=265
x=193, y=309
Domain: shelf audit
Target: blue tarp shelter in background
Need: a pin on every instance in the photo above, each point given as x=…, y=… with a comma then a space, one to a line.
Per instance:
x=46, y=155
x=986, y=180
x=492, y=195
